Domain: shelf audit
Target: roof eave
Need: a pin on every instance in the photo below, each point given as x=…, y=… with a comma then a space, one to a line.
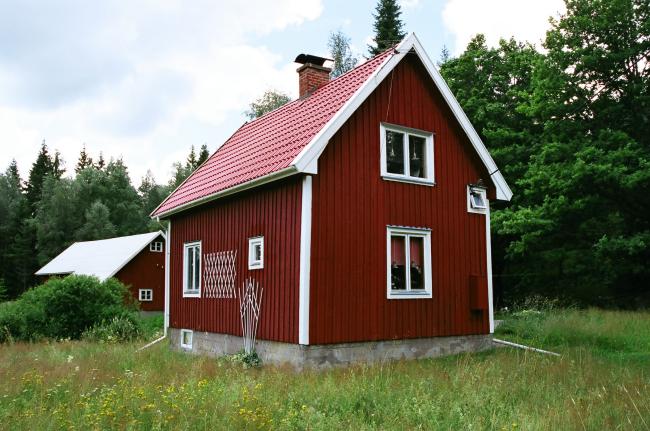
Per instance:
x=256, y=182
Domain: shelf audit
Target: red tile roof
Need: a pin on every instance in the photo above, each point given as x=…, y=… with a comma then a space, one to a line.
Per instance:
x=270, y=143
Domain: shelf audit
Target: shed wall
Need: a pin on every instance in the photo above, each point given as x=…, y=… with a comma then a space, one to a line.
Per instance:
x=352, y=206
x=146, y=271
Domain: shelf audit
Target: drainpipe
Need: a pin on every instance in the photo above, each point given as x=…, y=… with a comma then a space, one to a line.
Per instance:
x=168, y=237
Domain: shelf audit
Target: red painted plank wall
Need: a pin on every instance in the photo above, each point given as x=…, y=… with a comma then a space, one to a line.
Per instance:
x=352, y=206
x=272, y=211
x=146, y=271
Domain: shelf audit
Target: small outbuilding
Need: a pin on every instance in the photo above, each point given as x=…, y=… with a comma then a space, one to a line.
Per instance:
x=138, y=261
x=352, y=224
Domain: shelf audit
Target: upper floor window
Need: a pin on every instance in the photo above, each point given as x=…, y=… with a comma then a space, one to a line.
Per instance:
x=192, y=269
x=156, y=246
x=406, y=154
x=256, y=252
x=476, y=199
x=409, y=262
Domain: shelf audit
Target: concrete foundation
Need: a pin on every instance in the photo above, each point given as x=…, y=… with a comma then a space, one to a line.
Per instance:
x=329, y=355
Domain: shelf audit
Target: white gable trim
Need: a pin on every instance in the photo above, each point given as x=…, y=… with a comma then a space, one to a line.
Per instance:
x=307, y=159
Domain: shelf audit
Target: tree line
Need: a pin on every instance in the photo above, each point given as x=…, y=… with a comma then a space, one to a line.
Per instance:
x=569, y=129
x=47, y=212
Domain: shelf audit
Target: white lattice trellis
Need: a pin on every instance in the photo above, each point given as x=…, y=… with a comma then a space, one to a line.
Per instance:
x=250, y=300
x=219, y=274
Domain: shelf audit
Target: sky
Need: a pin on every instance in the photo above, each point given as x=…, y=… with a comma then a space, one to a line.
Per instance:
x=145, y=80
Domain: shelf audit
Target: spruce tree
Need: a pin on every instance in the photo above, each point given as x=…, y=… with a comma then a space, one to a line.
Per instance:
x=84, y=161
x=101, y=163
x=388, y=26
x=98, y=224
x=40, y=169
x=190, y=164
x=203, y=155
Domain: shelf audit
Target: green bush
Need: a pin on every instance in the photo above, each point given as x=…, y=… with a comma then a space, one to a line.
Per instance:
x=63, y=308
x=126, y=327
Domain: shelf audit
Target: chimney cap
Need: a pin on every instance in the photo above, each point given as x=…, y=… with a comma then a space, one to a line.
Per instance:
x=311, y=59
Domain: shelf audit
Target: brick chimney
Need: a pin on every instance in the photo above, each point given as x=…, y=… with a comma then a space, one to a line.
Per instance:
x=312, y=74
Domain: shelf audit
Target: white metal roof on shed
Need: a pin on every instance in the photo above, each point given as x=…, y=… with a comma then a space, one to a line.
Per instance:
x=102, y=258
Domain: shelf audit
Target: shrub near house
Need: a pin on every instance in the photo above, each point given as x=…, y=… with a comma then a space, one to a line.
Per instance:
x=63, y=308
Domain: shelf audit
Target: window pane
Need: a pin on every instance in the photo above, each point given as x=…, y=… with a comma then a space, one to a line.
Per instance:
x=189, y=259
x=398, y=262
x=417, y=156
x=197, y=268
x=417, y=262
x=394, y=152
x=258, y=252
x=477, y=200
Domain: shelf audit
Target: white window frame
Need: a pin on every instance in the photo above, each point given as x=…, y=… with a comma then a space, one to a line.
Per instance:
x=156, y=246
x=252, y=243
x=182, y=335
x=470, y=205
x=196, y=293
x=429, y=178
x=408, y=293
x=142, y=295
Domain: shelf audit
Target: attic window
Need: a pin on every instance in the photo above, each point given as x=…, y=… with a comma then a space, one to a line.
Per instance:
x=156, y=246
x=476, y=200
x=256, y=252
x=408, y=263
x=406, y=154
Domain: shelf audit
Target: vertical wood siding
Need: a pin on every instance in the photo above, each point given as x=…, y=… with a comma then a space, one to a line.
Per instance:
x=352, y=205
x=146, y=271
x=272, y=211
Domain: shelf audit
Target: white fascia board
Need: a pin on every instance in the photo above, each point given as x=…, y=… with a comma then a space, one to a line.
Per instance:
x=307, y=159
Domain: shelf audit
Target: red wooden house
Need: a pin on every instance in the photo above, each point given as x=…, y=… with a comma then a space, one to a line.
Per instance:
x=361, y=209
x=138, y=261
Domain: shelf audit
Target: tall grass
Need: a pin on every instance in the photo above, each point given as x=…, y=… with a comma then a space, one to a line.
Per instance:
x=90, y=386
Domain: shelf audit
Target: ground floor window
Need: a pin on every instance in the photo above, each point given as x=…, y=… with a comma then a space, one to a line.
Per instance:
x=408, y=262
x=186, y=338
x=192, y=269
x=145, y=295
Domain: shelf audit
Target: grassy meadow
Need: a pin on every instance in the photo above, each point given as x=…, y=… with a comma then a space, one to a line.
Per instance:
x=602, y=381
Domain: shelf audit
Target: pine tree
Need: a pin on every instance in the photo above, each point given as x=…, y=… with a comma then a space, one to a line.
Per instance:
x=84, y=161
x=58, y=168
x=100, y=162
x=98, y=224
x=40, y=169
x=203, y=155
x=388, y=26
x=339, y=46
x=190, y=164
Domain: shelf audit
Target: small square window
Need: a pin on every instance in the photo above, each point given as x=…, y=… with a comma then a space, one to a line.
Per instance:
x=256, y=253
x=409, y=263
x=145, y=295
x=406, y=154
x=186, y=338
x=156, y=246
x=476, y=200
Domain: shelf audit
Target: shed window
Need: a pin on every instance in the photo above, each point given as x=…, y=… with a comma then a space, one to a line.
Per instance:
x=406, y=154
x=186, y=338
x=192, y=269
x=256, y=252
x=476, y=200
x=156, y=246
x=145, y=295
x=409, y=262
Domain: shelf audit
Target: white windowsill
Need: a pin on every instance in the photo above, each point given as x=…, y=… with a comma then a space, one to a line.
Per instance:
x=410, y=180
x=191, y=294
x=410, y=295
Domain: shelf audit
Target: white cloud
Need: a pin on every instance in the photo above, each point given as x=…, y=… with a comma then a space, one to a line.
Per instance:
x=526, y=20
x=141, y=80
